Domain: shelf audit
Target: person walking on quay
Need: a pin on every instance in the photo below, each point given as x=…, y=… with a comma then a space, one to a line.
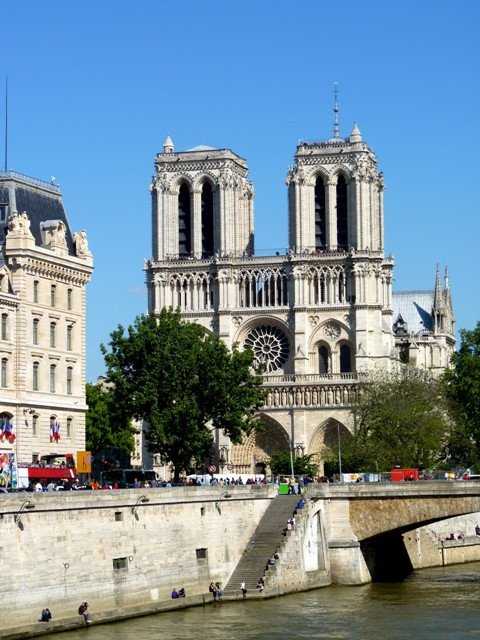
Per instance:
x=243, y=588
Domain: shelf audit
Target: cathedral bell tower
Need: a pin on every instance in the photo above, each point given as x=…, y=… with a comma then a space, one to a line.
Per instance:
x=202, y=204
x=335, y=196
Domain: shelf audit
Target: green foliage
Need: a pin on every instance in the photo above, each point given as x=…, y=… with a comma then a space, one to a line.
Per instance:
x=180, y=379
x=104, y=426
x=401, y=419
x=463, y=390
x=280, y=464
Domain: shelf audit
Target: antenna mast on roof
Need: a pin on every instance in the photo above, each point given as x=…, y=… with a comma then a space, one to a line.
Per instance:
x=335, y=110
x=6, y=122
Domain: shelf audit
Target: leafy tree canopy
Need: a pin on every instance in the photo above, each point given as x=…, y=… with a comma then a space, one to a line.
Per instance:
x=181, y=380
x=400, y=419
x=463, y=390
x=104, y=426
x=280, y=464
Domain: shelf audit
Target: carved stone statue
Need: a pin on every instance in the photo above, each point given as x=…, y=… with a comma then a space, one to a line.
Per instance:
x=81, y=243
x=19, y=224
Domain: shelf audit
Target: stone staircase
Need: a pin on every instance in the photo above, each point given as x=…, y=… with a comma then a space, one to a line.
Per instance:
x=268, y=537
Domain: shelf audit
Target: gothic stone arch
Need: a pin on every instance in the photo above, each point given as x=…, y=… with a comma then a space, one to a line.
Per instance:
x=324, y=437
x=259, y=446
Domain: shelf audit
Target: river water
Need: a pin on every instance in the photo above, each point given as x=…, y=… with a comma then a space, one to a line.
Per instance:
x=432, y=604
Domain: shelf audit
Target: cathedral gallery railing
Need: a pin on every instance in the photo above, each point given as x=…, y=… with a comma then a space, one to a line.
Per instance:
x=314, y=391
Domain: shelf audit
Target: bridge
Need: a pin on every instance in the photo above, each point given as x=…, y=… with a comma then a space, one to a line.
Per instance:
x=364, y=523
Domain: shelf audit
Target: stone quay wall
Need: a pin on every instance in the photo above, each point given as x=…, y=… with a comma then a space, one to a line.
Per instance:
x=428, y=546
x=118, y=552
x=124, y=551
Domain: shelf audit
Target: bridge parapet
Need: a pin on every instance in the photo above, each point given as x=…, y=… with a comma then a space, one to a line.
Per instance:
x=378, y=508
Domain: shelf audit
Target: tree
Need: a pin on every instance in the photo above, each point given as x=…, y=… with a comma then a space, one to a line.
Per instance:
x=280, y=464
x=401, y=419
x=104, y=427
x=183, y=382
x=463, y=390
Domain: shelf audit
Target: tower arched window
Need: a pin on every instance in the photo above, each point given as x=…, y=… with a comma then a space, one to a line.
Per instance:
x=320, y=221
x=184, y=221
x=345, y=359
x=323, y=360
x=342, y=213
x=207, y=220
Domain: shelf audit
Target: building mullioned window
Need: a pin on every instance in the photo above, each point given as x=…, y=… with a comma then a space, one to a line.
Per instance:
x=52, y=378
x=69, y=380
x=35, y=370
x=35, y=291
x=69, y=337
x=53, y=328
x=53, y=291
x=4, y=323
x=69, y=299
x=35, y=331
x=3, y=374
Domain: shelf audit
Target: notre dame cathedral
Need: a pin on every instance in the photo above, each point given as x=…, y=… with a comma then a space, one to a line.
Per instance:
x=322, y=315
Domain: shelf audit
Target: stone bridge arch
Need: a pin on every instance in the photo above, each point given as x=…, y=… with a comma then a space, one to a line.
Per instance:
x=366, y=523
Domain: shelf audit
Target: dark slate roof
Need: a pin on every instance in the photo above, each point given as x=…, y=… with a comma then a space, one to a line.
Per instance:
x=415, y=307
x=41, y=200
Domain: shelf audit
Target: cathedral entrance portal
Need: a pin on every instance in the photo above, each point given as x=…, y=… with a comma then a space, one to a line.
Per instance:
x=327, y=439
x=253, y=455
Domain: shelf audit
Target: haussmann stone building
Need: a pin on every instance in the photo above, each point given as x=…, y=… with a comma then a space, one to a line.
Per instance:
x=44, y=269
x=320, y=316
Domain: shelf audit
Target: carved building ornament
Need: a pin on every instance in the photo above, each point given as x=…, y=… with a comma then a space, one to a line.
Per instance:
x=19, y=225
x=331, y=331
x=269, y=345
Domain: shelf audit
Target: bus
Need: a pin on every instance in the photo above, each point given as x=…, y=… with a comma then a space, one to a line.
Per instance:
x=126, y=478
x=55, y=467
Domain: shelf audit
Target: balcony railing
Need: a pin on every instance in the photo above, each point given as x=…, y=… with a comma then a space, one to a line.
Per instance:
x=35, y=181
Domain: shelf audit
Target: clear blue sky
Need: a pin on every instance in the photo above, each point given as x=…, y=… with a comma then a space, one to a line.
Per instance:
x=95, y=86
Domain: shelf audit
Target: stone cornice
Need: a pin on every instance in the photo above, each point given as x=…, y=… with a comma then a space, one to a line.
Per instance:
x=72, y=273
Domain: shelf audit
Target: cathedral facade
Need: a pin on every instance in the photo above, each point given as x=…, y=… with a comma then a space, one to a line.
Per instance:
x=44, y=269
x=320, y=317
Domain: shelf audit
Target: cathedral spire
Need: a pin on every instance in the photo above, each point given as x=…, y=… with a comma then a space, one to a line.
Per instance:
x=335, y=110
x=438, y=298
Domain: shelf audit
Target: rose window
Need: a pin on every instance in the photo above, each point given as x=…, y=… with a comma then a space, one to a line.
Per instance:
x=270, y=346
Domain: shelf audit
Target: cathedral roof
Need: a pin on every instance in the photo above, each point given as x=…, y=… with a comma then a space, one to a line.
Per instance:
x=415, y=307
x=202, y=147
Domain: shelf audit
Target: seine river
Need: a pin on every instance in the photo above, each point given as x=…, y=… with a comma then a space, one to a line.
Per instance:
x=433, y=604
